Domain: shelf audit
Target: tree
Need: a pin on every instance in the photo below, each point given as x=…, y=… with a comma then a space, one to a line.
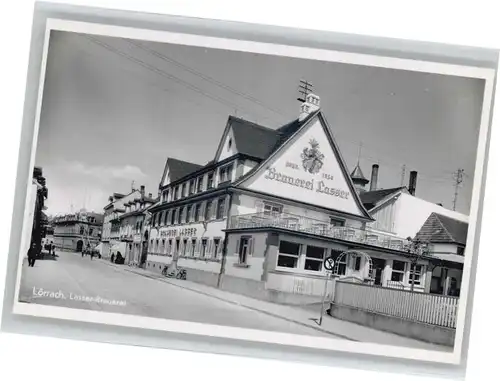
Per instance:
x=416, y=248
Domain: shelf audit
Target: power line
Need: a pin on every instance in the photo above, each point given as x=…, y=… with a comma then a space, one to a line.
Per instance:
x=204, y=76
x=171, y=77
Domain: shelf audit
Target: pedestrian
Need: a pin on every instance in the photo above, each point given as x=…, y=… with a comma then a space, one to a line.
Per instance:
x=53, y=249
x=32, y=255
x=91, y=255
x=113, y=258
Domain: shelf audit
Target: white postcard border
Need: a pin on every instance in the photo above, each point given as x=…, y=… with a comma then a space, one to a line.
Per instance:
x=289, y=51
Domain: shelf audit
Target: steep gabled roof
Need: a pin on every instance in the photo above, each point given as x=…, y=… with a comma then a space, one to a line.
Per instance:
x=371, y=198
x=178, y=169
x=441, y=229
x=252, y=139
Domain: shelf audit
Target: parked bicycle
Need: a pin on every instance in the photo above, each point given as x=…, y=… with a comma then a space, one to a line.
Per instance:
x=180, y=273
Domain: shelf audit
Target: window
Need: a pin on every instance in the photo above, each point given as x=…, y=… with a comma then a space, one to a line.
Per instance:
x=180, y=215
x=229, y=143
x=160, y=219
x=460, y=251
x=197, y=209
x=336, y=222
x=91, y=230
x=162, y=249
x=416, y=273
x=165, y=195
x=221, y=206
x=170, y=248
x=193, y=246
x=225, y=173
x=184, y=190
x=188, y=213
x=165, y=218
x=398, y=271
x=172, y=217
x=208, y=210
x=82, y=229
x=192, y=186
x=272, y=209
x=216, y=246
x=314, y=258
x=342, y=263
x=200, y=184
x=288, y=254
x=176, y=194
x=210, y=180
x=204, y=243
x=184, y=247
x=177, y=244
x=244, y=249
x=357, y=263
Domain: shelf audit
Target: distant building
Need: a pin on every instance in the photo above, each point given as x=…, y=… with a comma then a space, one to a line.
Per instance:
x=74, y=232
x=132, y=224
x=111, y=222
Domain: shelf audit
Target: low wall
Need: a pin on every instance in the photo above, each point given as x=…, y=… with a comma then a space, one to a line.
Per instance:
x=412, y=329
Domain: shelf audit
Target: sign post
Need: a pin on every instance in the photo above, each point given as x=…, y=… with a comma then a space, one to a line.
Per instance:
x=328, y=264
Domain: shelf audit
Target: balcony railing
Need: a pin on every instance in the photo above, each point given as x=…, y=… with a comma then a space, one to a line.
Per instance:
x=317, y=227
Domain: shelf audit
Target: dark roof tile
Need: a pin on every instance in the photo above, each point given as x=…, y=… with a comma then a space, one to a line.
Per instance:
x=442, y=229
x=371, y=198
x=179, y=168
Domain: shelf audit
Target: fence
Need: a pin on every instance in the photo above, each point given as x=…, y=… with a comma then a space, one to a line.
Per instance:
x=416, y=306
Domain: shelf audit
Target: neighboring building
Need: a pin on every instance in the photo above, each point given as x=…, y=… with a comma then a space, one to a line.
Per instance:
x=74, y=232
x=111, y=223
x=132, y=224
x=397, y=211
x=447, y=238
x=262, y=215
x=40, y=194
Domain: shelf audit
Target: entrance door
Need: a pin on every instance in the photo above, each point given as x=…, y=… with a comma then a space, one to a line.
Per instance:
x=79, y=246
x=378, y=270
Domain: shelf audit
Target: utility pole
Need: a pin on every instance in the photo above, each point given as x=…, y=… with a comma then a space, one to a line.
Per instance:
x=403, y=174
x=305, y=88
x=458, y=176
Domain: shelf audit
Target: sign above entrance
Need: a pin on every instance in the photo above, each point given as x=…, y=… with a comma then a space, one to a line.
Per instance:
x=182, y=232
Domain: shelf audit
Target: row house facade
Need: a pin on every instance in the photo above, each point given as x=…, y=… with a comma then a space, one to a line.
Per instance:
x=268, y=209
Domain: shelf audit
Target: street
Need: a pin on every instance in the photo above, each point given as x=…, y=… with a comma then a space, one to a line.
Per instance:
x=69, y=279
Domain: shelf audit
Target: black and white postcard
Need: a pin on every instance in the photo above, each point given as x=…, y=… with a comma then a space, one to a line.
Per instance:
x=248, y=190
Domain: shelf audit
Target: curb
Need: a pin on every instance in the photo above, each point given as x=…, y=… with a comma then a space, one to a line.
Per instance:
x=165, y=280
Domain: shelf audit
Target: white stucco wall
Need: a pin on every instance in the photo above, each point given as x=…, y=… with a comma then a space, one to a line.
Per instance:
x=228, y=151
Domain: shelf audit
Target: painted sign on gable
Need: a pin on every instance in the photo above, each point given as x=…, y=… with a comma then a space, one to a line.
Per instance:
x=307, y=170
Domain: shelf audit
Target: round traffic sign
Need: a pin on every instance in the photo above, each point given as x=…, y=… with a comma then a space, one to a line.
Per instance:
x=329, y=263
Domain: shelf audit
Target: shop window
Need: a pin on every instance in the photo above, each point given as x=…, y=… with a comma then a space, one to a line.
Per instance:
x=217, y=247
x=398, y=271
x=336, y=221
x=221, y=206
x=177, y=244
x=416, y=273
x=193, y=246
x=288, y=254
x=204, y=244
x=272, y=209
x=162, y=249
x=314, y=258
x=244, y=249
x=340, y=261
x=185, y=247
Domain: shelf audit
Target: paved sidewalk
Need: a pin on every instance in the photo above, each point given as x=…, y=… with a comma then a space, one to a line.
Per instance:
x=305, y=317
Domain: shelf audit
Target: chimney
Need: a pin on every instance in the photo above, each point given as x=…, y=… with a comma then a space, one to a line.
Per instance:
x=374, y=179
x=413, y=182
x=143, y=190
x=310, y=105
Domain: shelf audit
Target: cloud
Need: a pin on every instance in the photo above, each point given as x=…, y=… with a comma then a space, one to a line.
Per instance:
x=126, y=172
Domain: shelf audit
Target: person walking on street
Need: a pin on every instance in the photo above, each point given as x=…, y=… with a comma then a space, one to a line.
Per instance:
x=91, y=255
x=32, y=255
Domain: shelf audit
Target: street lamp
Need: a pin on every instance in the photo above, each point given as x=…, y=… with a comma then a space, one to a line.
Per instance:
x=416, y=248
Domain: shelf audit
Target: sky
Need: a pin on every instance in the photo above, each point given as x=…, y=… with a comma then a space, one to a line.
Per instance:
x=114, y=110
